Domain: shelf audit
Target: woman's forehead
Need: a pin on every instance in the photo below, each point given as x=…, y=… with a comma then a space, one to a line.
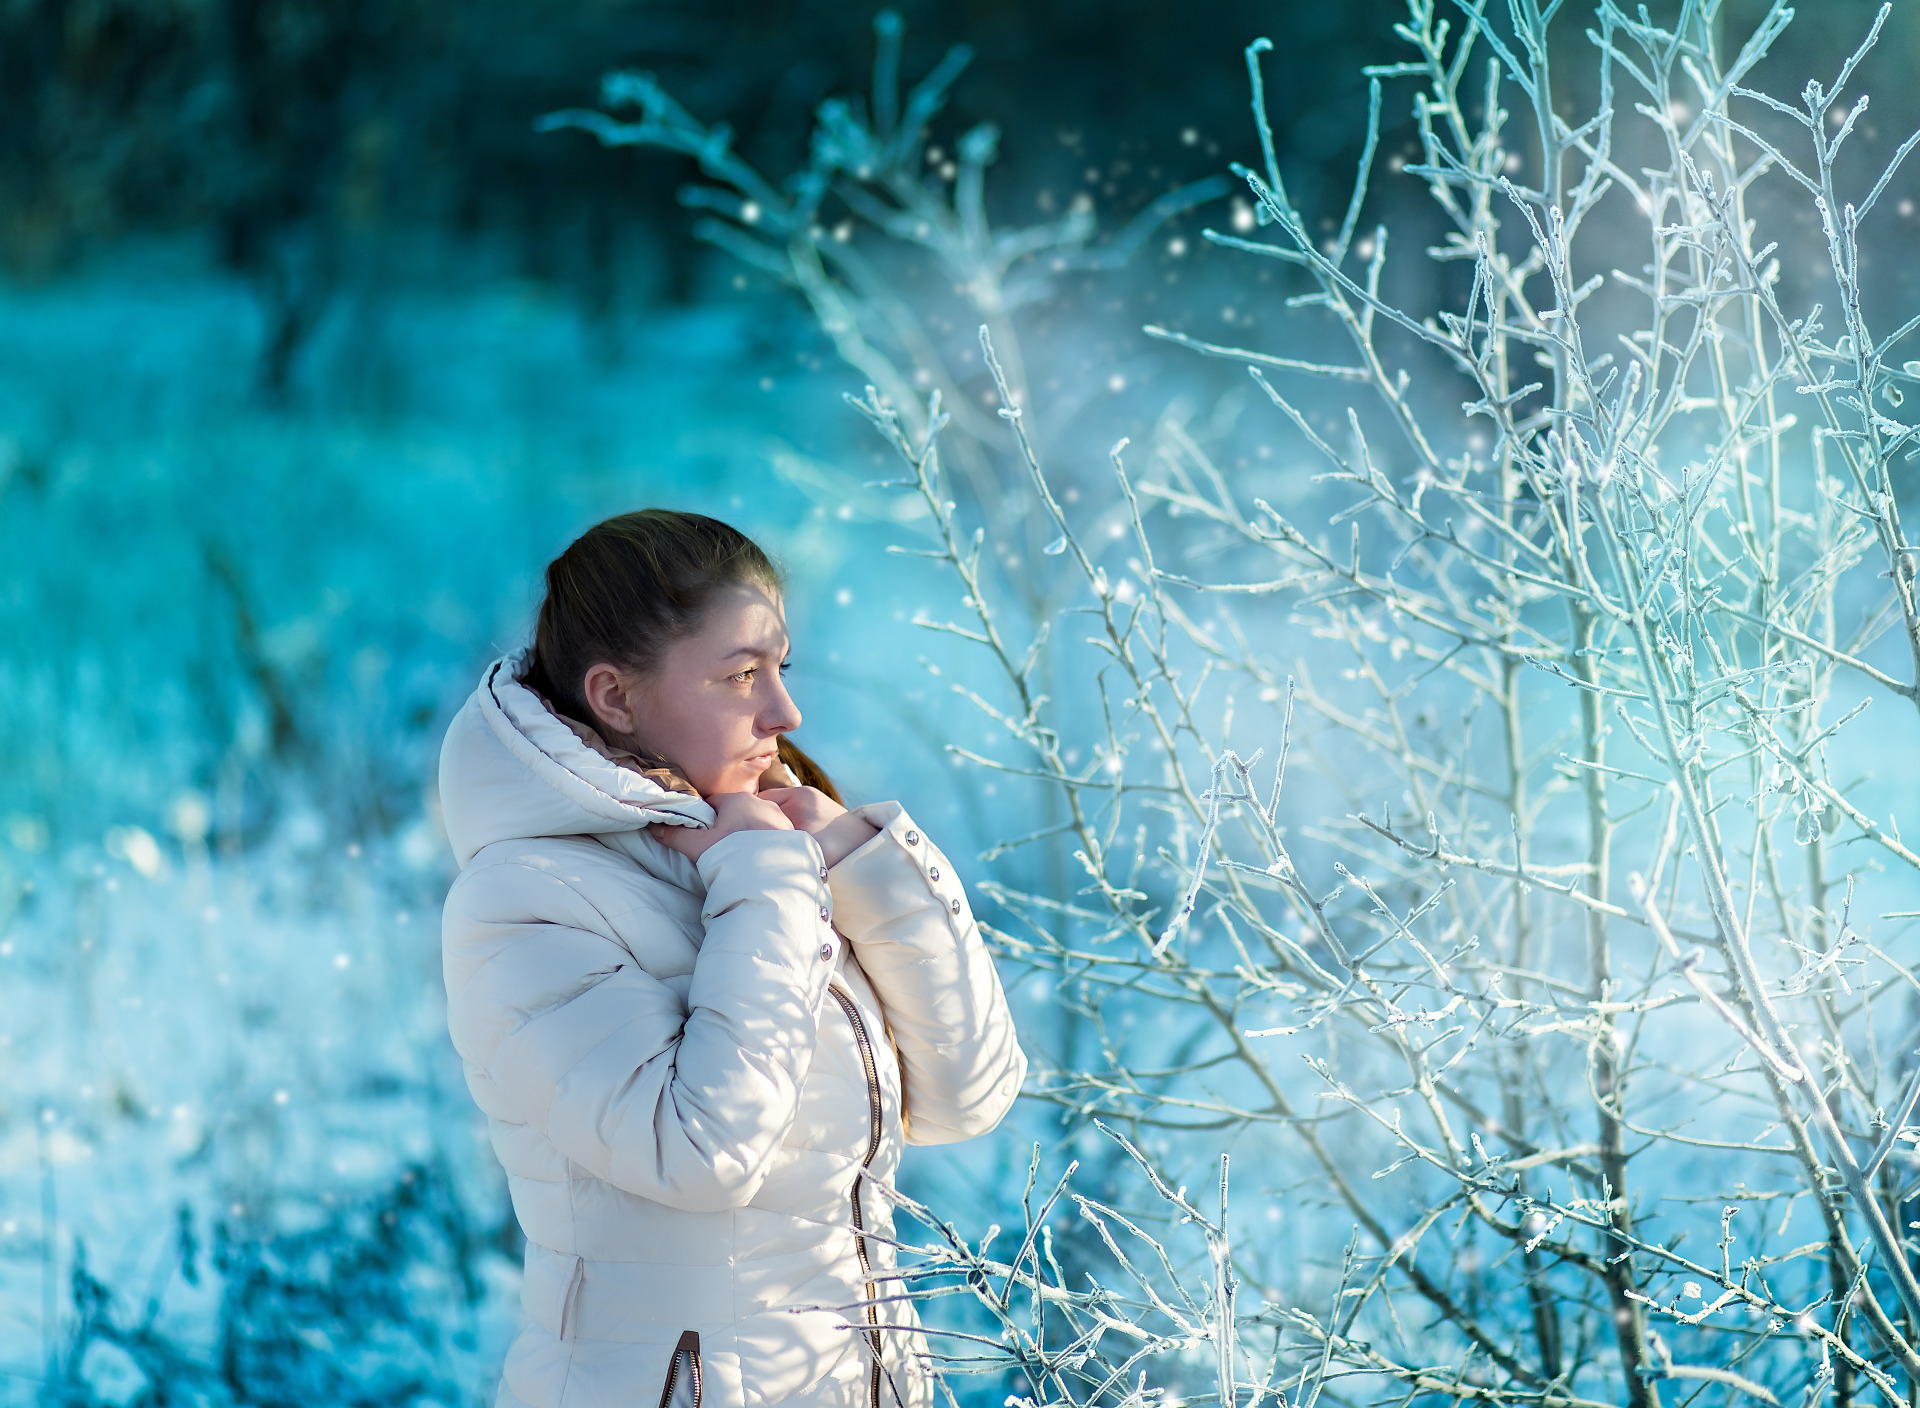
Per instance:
x=746, y=620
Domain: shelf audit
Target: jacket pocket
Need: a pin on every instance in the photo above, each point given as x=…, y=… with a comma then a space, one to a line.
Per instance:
x=550, y=1290
x=682, y=1388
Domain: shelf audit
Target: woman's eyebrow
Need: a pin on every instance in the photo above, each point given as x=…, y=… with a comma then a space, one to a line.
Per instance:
x=757, y=652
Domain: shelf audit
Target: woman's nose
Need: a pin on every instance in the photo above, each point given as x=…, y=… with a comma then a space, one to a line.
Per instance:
x=781, y=715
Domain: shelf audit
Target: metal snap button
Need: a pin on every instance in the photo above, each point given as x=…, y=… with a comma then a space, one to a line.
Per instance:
x=823, y=872
x=824, y=916
x=913, y=838
x=933, y=872
x=955, y=905
x=826, y=953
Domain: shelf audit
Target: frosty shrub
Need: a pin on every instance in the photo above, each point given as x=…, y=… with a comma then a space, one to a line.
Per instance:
x=885, y=234
x=1553, y=1002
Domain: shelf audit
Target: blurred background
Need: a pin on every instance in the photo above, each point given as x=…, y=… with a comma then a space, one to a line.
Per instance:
x=312, y=353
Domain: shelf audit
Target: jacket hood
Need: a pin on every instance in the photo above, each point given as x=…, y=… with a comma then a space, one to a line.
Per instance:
x=511, y=768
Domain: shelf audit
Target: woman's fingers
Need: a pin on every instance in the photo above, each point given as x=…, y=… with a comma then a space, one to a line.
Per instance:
x=791, y=802
x=732, y=811
x=807, y=808
x=747, y=811
x=690, y=841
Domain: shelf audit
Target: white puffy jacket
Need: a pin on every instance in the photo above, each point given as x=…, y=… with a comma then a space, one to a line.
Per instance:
x=693, y=1073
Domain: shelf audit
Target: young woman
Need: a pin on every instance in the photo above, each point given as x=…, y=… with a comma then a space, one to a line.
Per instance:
x=702, y=1004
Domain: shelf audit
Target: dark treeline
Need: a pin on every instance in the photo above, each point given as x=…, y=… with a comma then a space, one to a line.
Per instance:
x=309, y=140
x=257, y=115
x=306, y=137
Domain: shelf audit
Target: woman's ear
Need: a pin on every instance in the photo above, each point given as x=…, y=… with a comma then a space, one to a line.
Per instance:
x=610, y=695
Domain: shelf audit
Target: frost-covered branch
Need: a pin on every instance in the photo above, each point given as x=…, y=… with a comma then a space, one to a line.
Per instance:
x=1534, y=972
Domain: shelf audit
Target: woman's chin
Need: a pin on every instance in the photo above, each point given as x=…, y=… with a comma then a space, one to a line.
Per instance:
x=738, y=778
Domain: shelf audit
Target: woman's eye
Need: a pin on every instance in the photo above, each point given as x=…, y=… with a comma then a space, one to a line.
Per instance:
x=785, y=665
x=745, y=676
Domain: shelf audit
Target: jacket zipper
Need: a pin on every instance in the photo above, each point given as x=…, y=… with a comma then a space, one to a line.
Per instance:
x=859, y=1220
x=689, y=1346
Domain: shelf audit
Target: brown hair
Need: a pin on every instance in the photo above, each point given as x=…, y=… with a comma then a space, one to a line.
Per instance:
x=628, y=588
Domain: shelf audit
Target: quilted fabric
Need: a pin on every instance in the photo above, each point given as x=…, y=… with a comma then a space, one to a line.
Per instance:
x=669, y=1059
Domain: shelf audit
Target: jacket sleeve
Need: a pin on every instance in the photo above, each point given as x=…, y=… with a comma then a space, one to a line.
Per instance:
x=561, y=1030
x=902, y=908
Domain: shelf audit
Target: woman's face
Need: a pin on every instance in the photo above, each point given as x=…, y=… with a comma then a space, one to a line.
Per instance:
x=716, y=706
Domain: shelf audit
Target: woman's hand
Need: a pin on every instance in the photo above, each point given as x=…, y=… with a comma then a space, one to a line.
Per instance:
x=732, y=811
x=839, y=832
